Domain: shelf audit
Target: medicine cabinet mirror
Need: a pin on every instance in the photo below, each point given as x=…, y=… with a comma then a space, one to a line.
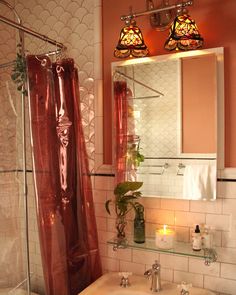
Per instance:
x=175, y=106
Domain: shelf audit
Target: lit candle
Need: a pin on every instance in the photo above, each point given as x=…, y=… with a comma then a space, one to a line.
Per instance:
x=165, y=238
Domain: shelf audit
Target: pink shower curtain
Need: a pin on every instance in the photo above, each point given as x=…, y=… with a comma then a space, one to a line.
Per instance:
x=66, y=220
x=121, y=119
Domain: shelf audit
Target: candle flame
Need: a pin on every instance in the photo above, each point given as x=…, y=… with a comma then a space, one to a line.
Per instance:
x=165, y=228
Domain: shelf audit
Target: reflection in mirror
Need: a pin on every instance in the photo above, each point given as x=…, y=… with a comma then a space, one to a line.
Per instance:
x=167, y=113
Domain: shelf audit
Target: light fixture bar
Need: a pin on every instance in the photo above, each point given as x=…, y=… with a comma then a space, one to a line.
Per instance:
x=175, y=6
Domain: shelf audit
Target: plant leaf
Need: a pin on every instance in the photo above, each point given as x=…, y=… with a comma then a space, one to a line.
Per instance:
x=124, y=187
x=107, y=206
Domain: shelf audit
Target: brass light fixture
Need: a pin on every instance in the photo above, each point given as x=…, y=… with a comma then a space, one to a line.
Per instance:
x=131, y=43
x=184, y=34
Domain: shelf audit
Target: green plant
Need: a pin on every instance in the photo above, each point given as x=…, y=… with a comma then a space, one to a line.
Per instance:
x=125, y=196
x=134, y=155
x=18, y=75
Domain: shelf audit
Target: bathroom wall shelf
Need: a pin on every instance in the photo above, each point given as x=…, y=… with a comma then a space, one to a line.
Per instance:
x=184, y=249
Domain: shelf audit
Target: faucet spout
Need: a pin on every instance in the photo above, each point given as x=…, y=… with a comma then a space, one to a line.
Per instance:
x=155, y=274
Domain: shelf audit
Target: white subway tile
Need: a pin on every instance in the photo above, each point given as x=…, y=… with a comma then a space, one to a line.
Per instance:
x=220, y=222
x=121, y=254
x=229, y=239
x=229, y=206
x=160, y=216
x=101, y=223
x=228, y=271
x=104, y=183
x=102, y=249
x=110, y=264
x=151, y=203
x=220, y=285
x=99, y=196
x=206, y=206
x=182, y=234
x=167, y=274
x=144, y=257
x=193, y=278
x=177, y=205
x=198, y=266
x=100, y=210
x=227, y=190
x=174, y=262
x=189, y=218
x=226, y=255
x=104, y=236
x=135, y=268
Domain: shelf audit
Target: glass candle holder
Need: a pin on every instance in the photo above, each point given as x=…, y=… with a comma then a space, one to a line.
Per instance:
x=165, y=238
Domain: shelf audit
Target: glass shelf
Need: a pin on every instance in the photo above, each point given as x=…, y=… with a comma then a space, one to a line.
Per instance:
x=184, y=249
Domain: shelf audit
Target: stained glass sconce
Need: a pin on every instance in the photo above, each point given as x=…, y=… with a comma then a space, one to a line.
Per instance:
x=131, y=43
x=184, y=34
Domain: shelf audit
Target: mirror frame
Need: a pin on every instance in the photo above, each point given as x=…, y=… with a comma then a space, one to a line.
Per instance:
x=100, y=167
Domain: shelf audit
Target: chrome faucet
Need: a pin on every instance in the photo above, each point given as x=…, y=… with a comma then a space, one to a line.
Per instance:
x=155, y=274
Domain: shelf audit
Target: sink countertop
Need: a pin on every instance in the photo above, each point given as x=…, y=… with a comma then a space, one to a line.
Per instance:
x=109, y=284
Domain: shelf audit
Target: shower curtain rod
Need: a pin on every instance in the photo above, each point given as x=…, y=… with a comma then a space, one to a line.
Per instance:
x=31, y=32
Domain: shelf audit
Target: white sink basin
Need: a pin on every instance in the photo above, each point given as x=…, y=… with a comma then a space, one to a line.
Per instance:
x=108, y=284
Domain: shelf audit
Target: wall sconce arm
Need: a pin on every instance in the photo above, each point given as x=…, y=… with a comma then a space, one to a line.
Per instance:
x=175, y=6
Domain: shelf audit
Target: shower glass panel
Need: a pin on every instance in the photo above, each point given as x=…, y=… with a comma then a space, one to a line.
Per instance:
x=11, y=202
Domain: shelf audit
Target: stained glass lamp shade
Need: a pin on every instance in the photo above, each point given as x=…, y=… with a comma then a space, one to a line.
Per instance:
x=131, y=43
x=184, y=34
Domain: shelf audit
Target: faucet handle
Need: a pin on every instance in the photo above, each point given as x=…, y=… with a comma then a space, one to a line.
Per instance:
x=184, y=288
x=156, y=265
x=124, y=282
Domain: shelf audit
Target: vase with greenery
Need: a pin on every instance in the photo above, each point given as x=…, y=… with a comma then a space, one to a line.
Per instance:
x=126, y=193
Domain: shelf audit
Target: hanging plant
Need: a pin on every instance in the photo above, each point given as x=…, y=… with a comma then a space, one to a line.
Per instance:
x=18, y=75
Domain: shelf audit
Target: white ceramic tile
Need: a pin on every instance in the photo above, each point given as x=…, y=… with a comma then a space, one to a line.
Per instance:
x=103, y=249
x=169, y=204
x=101, y=223
x=144, y=257
x=104, y=183
x=206, y=206
x=99, y=196
x=110, y=264
x=195, y=279
x=220, y=285
x=182, y=234
x=100, y=210
x=220, y=222
x=229, y=239
x=135, y=268
x=198, y=266
x=228, y=271
x=120, y=254
x=227, y=255
x=167, y=274
x=151, y=203
x=104, y=236
x=229, y=207
x=227, y=190
x=189, y=218
x=160, y=216
x=174, y=262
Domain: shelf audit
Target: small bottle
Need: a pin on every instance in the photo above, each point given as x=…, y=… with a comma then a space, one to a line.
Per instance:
x=206, y=238
x=139, y=225
x=197, y=239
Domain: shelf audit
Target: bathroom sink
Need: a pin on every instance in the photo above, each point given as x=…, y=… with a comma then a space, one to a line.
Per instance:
x=108, y=284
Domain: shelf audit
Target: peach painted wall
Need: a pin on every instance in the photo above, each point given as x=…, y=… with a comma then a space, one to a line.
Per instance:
x=199, y=90
x=216, y=21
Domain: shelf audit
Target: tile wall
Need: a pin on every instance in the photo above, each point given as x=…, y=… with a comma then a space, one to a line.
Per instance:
x=181, y=214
